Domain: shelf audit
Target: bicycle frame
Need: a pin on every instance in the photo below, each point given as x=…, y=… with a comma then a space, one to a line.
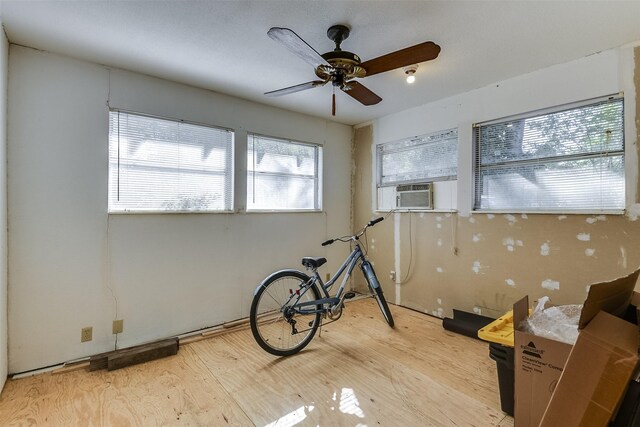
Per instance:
x=349, y=264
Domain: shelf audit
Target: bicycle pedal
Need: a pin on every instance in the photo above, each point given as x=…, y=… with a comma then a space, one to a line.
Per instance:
x=349, y=295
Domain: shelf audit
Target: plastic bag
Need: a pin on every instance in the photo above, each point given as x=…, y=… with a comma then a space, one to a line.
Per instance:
x=558, y=323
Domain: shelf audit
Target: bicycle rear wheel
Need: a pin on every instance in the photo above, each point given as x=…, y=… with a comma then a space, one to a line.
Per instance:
x=277, y=327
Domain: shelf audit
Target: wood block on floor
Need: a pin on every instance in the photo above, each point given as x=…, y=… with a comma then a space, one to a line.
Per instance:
x=134, y=355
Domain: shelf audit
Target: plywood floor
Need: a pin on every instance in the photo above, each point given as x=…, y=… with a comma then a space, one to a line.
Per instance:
x=358, y=373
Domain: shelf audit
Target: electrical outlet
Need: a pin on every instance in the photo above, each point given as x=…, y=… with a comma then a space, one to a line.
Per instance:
x=118, y=326
x=86, y=334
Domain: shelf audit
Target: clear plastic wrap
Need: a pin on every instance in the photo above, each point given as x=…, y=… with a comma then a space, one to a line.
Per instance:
x=559, y=323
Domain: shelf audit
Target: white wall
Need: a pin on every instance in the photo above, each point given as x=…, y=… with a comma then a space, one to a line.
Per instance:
x=4, y=59
x=460, y=260
x=72, y=265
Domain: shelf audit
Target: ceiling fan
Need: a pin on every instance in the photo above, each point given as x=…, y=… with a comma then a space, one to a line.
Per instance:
x=341, y=67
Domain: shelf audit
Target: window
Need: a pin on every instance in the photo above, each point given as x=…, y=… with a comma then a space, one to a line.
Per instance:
x=418, y=173
x=282, y=174
x=426, y=158
x=160, y=165
x=570, y=159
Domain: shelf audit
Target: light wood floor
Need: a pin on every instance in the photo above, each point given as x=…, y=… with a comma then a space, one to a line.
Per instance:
x=359, y=372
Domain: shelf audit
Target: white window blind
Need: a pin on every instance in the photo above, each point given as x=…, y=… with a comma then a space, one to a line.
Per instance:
x=571, y=159
x=425, y=158
x=283, y=174
x=158, y=165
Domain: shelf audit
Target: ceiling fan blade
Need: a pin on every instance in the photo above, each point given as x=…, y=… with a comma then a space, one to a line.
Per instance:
x=296, y=45
x=402, y=58
x=361, y=94
x=296, y=88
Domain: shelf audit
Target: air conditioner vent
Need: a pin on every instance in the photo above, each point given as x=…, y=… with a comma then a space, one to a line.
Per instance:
x=414, y=196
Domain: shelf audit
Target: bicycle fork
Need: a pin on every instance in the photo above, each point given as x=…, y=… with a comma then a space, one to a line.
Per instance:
x=370, y=275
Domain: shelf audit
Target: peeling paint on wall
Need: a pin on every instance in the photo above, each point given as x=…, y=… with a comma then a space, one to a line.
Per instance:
x=544, y=249
x=510, y=282
x=550, y=284
x=439, y=242
x=439, y=301
x=491, y=216
x=633, y=211
x=519, y=243
x=477, y=237
x=512, y=219
x=439, y=269
x=524, y=216
x=476, y=267
x=584, y=237
x=438, y=225
x=509, y=243
x=562, y=217
x=594, y=219
x=589, y=252
x=472, y=220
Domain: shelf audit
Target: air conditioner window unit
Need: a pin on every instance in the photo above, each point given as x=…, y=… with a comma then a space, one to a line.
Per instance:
x=414, y=196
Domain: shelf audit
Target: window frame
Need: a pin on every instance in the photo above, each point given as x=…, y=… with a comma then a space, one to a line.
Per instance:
x=229, y=173
x=380, y=147
x=317, y=177
x=475, y=159
x=436, y=181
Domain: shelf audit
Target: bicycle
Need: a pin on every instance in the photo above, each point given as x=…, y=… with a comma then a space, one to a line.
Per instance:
x=290, y=299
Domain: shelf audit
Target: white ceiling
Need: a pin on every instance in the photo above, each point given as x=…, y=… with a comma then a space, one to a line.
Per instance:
x=223, y=45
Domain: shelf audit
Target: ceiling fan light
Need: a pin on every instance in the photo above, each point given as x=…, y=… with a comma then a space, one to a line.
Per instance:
x=410, y=72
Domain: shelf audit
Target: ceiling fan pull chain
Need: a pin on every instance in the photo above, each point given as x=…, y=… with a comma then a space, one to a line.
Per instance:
x=333, y=102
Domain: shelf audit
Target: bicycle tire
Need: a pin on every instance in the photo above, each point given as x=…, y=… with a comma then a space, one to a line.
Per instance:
x=384, y=307
x=376, y=290
x=270, y=327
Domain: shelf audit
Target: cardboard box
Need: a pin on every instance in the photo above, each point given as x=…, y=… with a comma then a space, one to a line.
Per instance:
x=538, y=364
x=557, y=384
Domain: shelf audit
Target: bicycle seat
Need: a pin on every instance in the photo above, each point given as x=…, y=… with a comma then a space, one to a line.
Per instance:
x=310, y=262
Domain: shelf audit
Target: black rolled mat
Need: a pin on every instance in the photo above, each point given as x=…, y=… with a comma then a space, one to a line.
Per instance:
x=466, y=324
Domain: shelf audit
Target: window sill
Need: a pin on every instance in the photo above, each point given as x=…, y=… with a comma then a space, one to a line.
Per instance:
x=167, y=212
x=417, y=210
x=274, y=211
x=530, y=212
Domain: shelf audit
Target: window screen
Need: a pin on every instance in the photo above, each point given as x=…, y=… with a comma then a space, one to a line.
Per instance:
x=158, y=165
x=283, y=174
x=570, y=159
x=431, y=157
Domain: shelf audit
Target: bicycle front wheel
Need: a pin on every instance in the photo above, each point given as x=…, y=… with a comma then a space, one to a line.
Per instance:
x=376, y=290
x=384, y=307
x=278, y=326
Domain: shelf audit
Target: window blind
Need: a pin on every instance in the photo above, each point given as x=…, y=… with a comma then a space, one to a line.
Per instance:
x=161, y=165
x=431, y=157
x=571, y=159
x=282, y=174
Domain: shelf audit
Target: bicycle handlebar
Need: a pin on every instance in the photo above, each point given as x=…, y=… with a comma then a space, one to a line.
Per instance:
x=358, y=234
x=375, y=221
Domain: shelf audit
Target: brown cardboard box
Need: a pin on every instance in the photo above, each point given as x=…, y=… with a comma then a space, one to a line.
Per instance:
x=591, y=376
x=538, y=364
x=601, y=362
